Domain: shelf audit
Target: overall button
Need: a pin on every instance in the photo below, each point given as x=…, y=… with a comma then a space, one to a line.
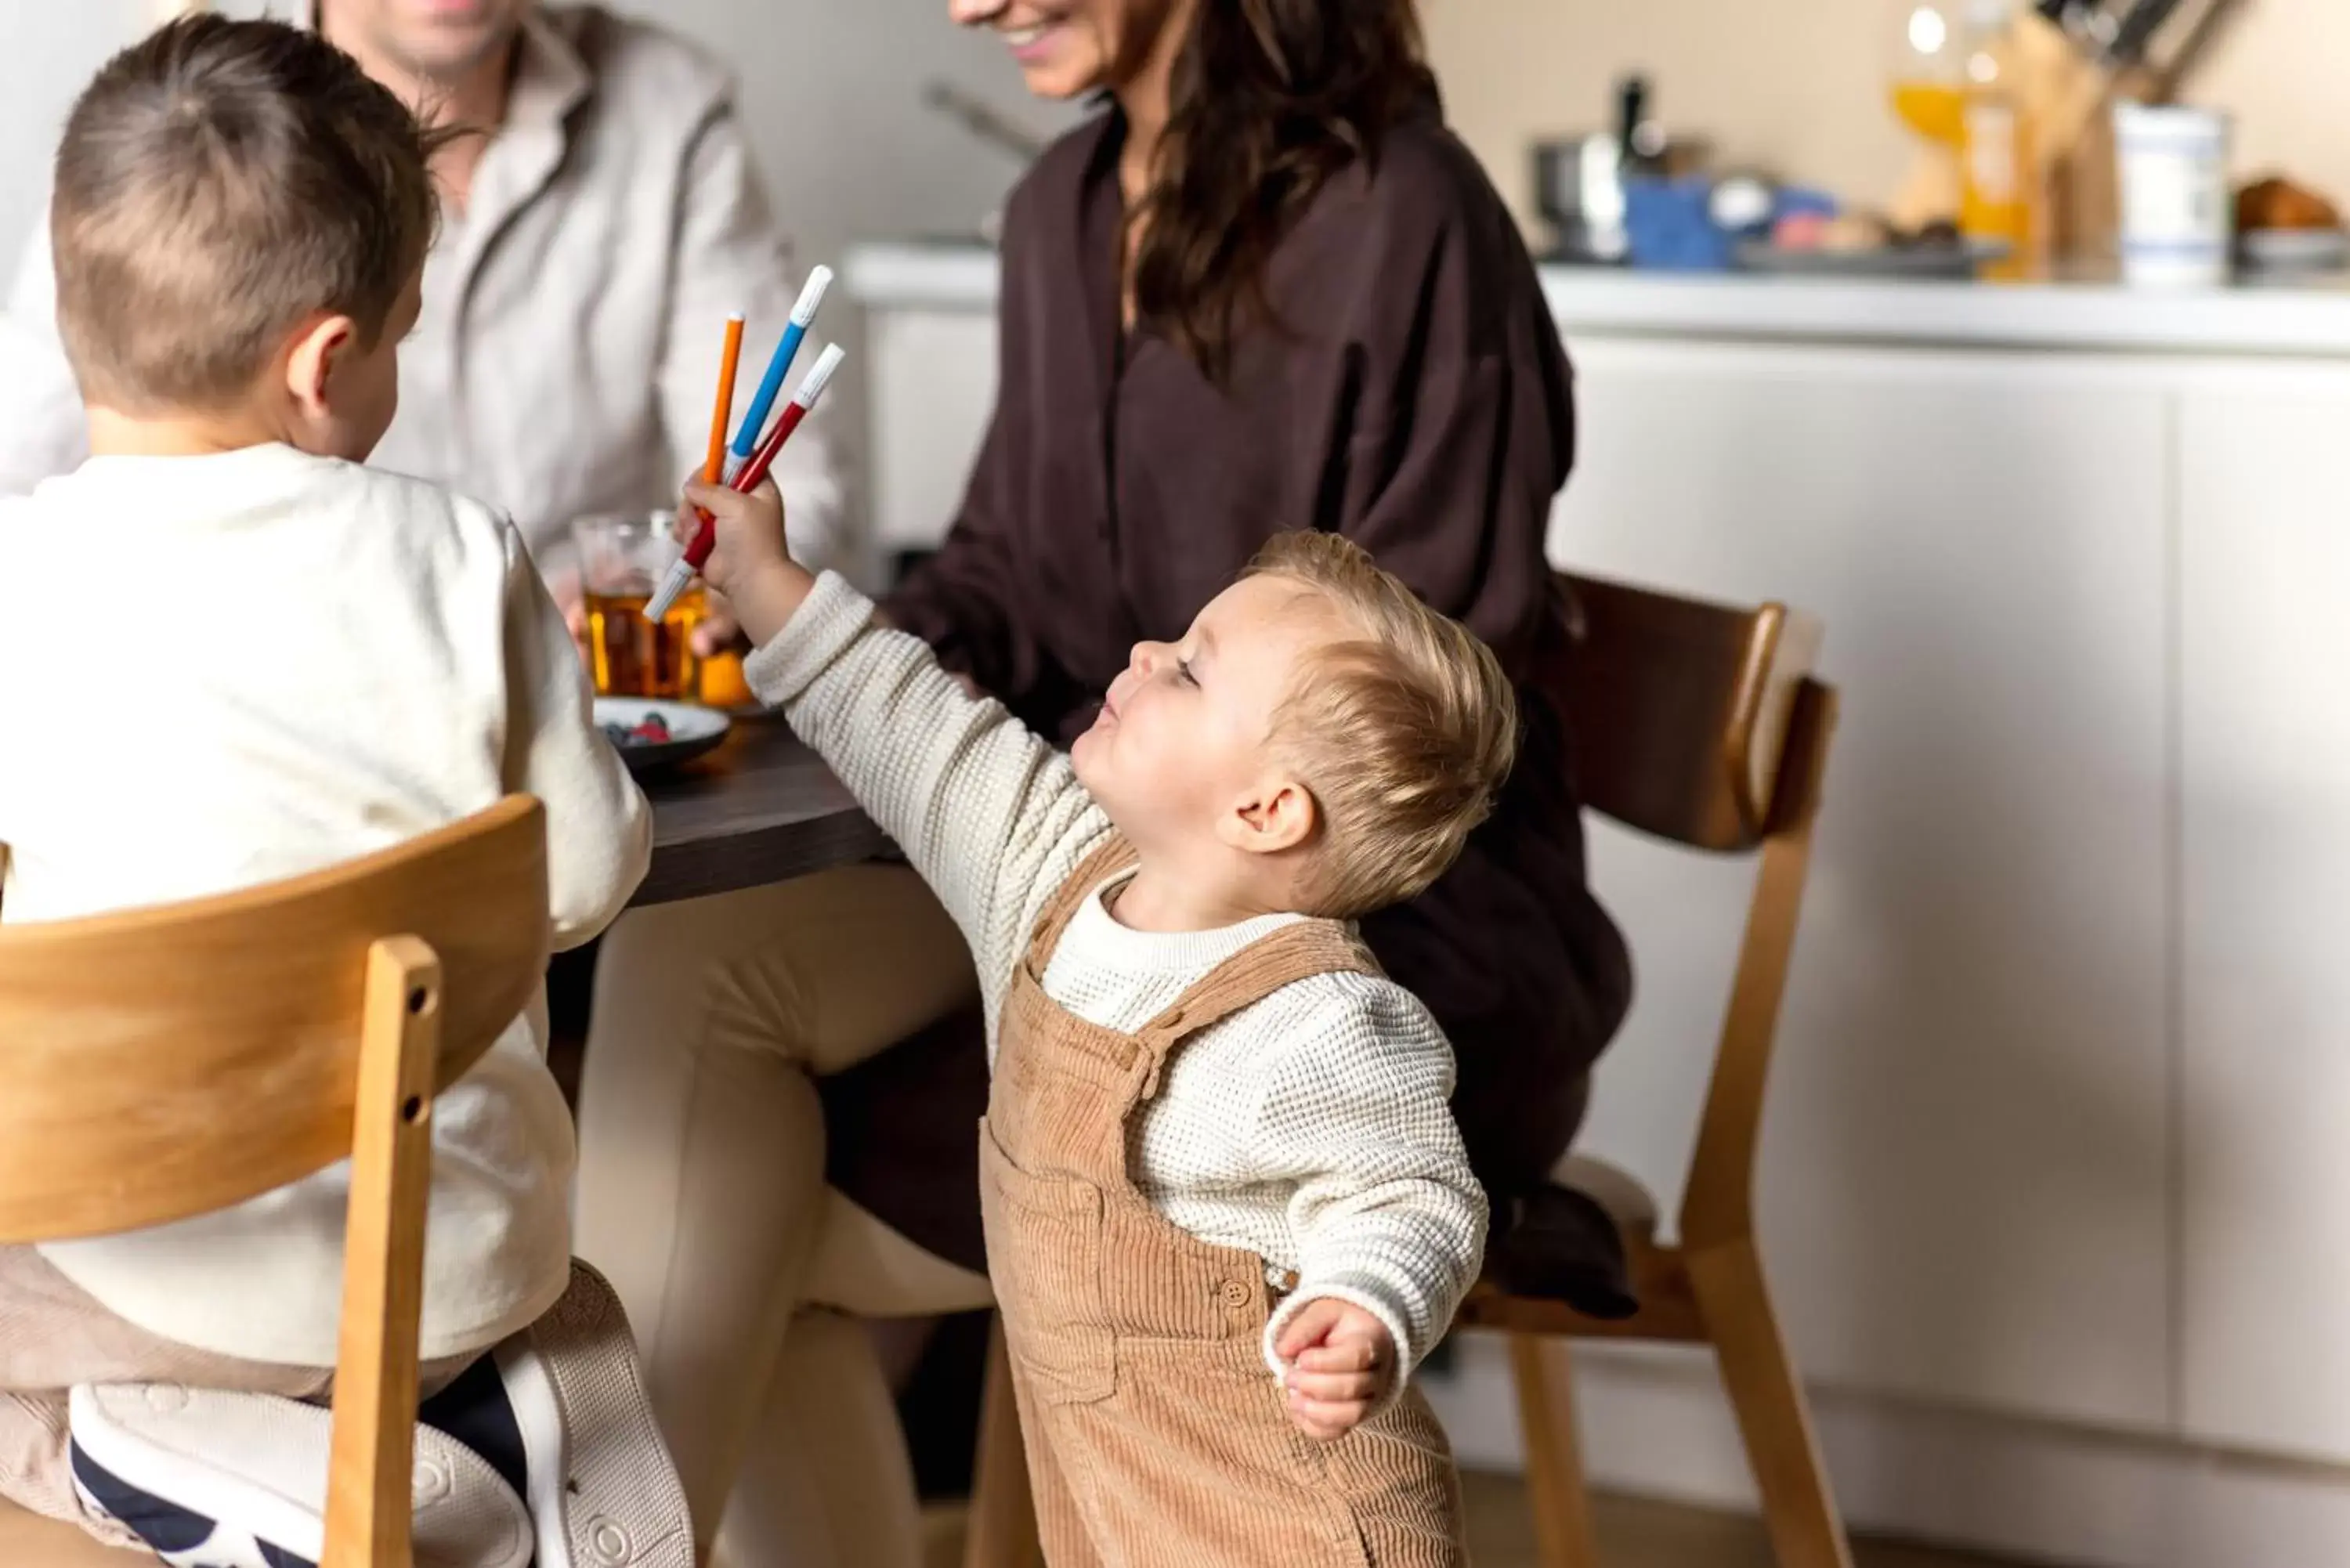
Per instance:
x=1233, y=1293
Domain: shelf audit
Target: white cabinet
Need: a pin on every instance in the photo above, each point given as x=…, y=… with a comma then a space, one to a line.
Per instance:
x=932, y=391
x=1964, y=1184
x=2264, y=937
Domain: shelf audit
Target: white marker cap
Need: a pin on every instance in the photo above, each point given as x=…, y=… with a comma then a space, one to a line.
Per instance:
x=674, y=583
x=819, y=375
x=812, y=296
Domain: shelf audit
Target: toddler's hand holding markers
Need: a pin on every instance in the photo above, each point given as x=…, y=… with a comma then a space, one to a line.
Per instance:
x=745, y=467
x=749, y=563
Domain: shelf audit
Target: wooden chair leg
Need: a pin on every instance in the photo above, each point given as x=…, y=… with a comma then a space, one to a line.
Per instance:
x=1774, y=1417
x=1002, y=1531
x=1554, y=1488
x=370, y=1472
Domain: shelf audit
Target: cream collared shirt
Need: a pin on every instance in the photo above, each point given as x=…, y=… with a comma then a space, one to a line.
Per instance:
x=567, y=354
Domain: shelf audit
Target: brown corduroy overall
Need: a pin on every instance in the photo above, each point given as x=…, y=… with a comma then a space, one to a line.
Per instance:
x=1156, y=1434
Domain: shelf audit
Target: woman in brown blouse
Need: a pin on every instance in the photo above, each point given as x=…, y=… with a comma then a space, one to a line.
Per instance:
x=1264, y=289
x=1268, y=289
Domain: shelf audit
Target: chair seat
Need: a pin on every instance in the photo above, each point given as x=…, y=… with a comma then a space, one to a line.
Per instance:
x=29, y=1539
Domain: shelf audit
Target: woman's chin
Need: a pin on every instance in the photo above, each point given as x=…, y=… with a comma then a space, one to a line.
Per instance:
x=1059, y=83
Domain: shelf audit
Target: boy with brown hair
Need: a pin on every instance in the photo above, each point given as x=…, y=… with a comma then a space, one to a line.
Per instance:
x=336, y=659
x=1227, y=1209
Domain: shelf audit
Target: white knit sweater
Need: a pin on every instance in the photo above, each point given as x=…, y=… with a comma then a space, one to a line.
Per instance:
x=1311, y=1129
x=217, y=671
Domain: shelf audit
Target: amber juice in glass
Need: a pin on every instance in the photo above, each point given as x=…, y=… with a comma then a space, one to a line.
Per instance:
x=621, y=560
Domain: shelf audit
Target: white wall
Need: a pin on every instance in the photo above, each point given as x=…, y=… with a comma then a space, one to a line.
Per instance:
x=47, y=51
x=832, y=89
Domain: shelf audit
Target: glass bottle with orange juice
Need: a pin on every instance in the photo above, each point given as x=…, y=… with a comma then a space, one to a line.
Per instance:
x=1929, y=75
x=1951, y=86
x=1996, y=204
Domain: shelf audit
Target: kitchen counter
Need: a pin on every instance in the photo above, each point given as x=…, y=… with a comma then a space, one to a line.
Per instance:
x=2308, y=321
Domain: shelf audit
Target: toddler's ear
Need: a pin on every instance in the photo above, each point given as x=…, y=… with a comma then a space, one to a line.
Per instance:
x=1274, y=813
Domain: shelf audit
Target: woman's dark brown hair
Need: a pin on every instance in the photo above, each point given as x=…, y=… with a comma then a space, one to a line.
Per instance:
x=1270, y=99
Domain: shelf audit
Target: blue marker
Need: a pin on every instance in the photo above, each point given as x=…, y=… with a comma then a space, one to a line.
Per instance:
x=771, y=385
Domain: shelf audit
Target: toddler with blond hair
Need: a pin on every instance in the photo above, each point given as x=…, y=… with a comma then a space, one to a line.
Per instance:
x=1227, y=1209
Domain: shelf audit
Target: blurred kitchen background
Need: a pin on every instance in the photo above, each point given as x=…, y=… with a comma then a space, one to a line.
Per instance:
x=859, y=146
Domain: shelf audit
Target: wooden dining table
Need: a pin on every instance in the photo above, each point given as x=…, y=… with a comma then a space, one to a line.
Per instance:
x=759, y=808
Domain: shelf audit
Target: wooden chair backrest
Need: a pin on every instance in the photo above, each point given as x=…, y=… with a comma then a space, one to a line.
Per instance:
x=1702, y=725
x=172, y=1060
x=1681, y=711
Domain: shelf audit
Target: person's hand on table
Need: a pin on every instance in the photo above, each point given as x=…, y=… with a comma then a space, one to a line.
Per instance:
x=718, y=631
x=1341, y=1360
x=749, y=563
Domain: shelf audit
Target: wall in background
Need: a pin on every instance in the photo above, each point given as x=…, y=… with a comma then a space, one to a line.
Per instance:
x=833, y=93
x=52, y=50
x=1799, y=86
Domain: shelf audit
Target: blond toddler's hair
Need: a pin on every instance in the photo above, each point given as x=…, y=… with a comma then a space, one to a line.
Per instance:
x=1404, y=733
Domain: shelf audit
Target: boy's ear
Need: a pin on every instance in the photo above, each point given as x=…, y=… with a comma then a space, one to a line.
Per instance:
x=311, y=359
x=1278, y=812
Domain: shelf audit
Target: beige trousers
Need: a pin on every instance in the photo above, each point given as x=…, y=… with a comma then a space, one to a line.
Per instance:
x=703, y=1198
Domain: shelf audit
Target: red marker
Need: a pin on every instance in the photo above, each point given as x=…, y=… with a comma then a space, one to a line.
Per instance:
x=705, y=538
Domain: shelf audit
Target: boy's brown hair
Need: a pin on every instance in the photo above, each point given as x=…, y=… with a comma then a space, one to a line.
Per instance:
x=1404, y=733
x=220, y=183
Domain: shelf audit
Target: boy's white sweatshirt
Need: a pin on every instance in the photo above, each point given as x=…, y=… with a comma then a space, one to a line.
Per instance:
x=221, y=670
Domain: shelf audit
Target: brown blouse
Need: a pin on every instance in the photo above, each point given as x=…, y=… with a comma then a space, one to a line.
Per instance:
x=1410, y=391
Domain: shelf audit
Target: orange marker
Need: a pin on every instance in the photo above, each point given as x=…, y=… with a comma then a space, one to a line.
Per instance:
x=714, y=467
x=746, y=480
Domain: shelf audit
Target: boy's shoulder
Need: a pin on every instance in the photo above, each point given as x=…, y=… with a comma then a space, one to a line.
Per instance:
x=1351, y=1015
x=415, y=528
x=196, y=492
x=1329, y=1044
x=426, y=506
